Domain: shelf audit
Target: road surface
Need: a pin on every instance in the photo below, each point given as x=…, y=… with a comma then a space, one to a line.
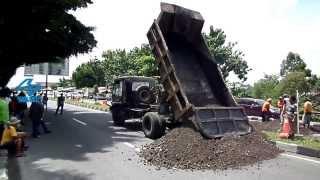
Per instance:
x=85, y=145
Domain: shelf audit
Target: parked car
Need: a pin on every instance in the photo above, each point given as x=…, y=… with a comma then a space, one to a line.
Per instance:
x=253, y=107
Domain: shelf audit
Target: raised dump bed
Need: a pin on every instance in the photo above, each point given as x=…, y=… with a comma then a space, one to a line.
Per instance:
x=195, y=88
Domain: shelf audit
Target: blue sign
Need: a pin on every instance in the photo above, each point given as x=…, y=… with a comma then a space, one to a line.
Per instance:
x=30, y=89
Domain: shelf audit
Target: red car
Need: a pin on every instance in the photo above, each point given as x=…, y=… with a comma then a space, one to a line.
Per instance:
x=253, y=107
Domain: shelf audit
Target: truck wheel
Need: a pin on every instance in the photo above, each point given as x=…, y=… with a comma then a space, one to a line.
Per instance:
x=118, y=117
x=145, y=95
x=152, y=125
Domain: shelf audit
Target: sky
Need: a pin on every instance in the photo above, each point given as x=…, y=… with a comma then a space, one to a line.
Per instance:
x=266, y=30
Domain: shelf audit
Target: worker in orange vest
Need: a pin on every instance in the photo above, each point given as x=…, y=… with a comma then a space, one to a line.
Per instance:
x=266, y=109
x=280, y=105
x=307, y=111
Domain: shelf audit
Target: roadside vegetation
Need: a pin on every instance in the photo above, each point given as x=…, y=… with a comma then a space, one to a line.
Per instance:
x=87, y=104
x=305, y=141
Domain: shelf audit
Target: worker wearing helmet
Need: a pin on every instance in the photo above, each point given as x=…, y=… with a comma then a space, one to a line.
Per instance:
x=266, y=109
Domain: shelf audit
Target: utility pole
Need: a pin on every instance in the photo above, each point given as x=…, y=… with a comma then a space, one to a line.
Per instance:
x=46, y=94
x=298, y=130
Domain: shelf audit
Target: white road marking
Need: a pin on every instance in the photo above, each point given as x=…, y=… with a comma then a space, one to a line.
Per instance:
x=132, y=146
x=78, y=145
x=129, y=145
x=302, y=158
x=3, y=174
x=80, y=122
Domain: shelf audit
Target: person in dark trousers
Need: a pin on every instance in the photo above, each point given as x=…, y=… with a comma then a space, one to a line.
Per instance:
x=45, y=101
x=60, y=103
x=13, y=105
x=21, y=106
x=36, y=115
x=266, y=110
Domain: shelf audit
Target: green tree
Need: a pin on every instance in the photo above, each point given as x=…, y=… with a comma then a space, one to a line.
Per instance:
x=266, y=87
x=294, y=63
x=65, y=82
x=240, y=90
x=294, y=81
x=116, y=63
x=89, y=74
x=314, y=82
x=229, y=59
x=40, y=31
x=137, y=61
x=144, y=60
x=316, y=86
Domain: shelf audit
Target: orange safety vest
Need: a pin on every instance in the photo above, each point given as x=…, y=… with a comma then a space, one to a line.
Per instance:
x=307, y=107
x=266, y=107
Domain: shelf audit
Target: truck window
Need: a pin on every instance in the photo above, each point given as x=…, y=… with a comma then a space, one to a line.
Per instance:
x=117, y=91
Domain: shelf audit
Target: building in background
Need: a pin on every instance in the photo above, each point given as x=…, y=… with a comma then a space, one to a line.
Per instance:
x=55, y=72
x=59, y=69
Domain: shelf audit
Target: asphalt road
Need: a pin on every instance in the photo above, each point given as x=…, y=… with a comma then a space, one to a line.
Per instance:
x=85, y=145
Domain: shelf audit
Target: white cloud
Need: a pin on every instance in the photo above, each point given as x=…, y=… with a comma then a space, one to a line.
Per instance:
x=266, y=29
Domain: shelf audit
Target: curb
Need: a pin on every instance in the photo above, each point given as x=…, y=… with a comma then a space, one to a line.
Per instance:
x=87, y=108
x=293, y=148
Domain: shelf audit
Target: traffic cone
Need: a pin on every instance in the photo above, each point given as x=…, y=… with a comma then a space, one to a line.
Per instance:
x=287, y=130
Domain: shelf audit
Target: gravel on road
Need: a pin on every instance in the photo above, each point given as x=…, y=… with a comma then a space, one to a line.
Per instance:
x=184, y=148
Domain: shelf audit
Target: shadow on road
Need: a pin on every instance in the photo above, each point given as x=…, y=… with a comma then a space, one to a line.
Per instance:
x=70, y=143
x=133, y=126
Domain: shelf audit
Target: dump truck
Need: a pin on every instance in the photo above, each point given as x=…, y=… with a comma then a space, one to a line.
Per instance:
x=191, y=78
x=192, y=91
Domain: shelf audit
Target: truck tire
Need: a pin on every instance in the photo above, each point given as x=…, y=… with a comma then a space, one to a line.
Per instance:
x=152, y=125
x=145, y=95
x=118, y=117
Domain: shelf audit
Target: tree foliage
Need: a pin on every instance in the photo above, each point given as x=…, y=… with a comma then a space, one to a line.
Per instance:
x=294, y=81
x=89, y=74
x=40, y=31
x=138, y=61
x=266, y=87
x=228, y=58
x=294, y=63
x=144, y=60
x=240, y=90
x=65, y=82
x=116, y=63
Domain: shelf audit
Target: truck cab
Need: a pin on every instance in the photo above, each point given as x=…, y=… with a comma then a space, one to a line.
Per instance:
x=132, y=97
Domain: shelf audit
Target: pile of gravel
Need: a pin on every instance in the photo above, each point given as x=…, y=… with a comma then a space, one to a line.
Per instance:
x=183, y=148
